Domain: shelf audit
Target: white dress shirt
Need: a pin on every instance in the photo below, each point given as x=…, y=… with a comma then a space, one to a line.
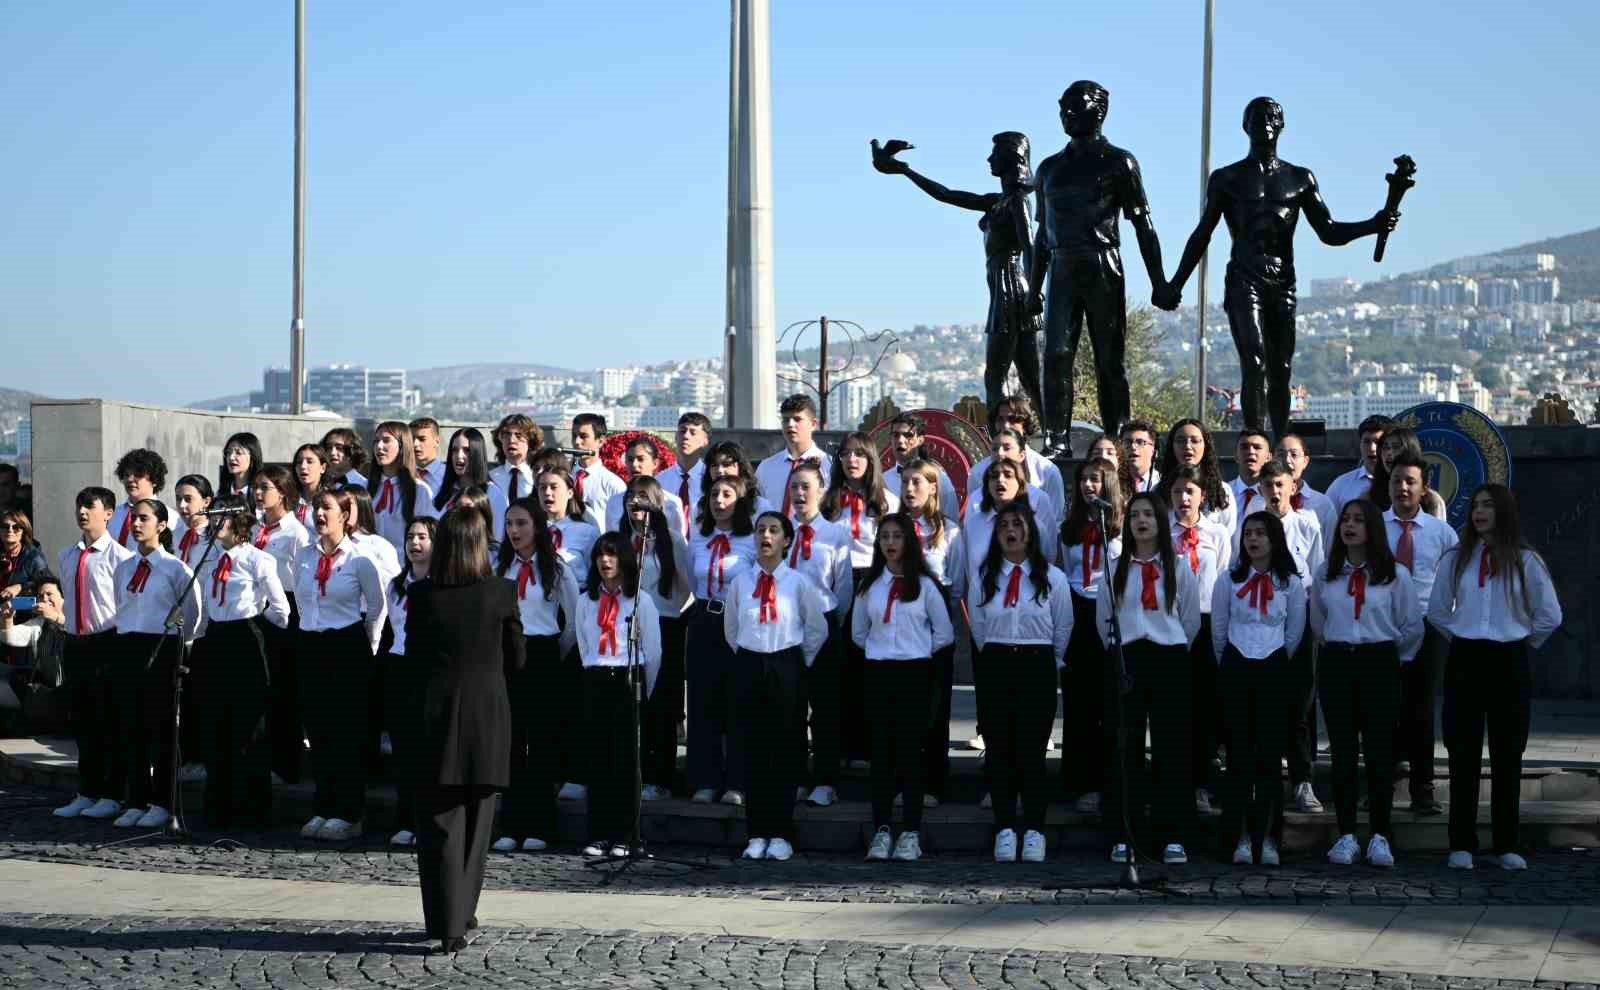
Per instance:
x=863, y=529
x=595, y=652
x=501, y=474
x=352, y=581
x=1235, y=620
x=946, y=562
x=575, y=540
x=1494, y=609
x=670, y=507
x=351, y=478
x=252, y=588
x=1177, y=626
x=668, y=606
x=1320, y=506
x=189, y=542
x=1151, y=483
x=433, y=474
x=542, y=608
x=715, y=560
x=1210, y=558
x=827, y=563
x=772, y=474
x=99, y=583
x=801, y=618
x=399, y=609
x=1430, y=538
x=1024, y=622
x=1390, y=612
x=1085, y=564
x=391, y=520
x=1302, y=532
x=378, y=550
x=914, y=630
x=949, y=502
x=687, y=489
x=143, y=606
x=1042, y=474
x=1353, y=484
x=977, y=527
x=282, y=540
x=598, y=485
x=122, y=532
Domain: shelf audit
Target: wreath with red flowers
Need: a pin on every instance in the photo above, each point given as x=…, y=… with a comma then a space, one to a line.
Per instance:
x=614, y=448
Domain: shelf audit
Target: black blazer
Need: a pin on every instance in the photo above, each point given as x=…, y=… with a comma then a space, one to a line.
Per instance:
x=460, y=644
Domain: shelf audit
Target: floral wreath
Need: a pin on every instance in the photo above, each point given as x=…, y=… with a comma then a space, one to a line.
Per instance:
x=614, y=448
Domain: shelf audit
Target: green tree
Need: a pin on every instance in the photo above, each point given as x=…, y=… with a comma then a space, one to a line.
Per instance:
x=1156, y=393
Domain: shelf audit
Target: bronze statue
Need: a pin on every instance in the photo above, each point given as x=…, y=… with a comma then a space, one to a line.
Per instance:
x=1262, y=198
x=1082, y=189
x=1007, y=227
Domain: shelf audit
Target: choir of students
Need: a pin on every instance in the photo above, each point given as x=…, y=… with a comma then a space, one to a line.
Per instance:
x=804, y=612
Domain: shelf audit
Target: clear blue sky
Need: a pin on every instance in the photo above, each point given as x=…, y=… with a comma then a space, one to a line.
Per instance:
x=546, y=181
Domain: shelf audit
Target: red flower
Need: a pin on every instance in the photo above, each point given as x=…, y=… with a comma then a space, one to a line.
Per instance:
x=615, y=447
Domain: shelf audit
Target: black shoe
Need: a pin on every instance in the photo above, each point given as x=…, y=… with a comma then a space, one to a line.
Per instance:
x=452, y=945
x=1426, y=807
x=472, y=923
x=1057, y=448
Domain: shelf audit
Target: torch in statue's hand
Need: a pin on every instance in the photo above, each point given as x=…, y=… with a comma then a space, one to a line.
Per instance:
x=1400, y=180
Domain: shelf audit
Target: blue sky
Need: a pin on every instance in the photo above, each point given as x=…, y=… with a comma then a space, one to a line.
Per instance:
x=541, y=182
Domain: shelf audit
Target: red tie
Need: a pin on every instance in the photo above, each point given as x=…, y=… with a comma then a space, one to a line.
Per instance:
x=1189, y=543
x=802, y=545
x=386, y=497
x=610, y=608
x=1244, y=506
x=267, y=531
x=720, y=546
x=638, y=546
x=683, y=493
x=896, y=589
x=767, y=593
x=219, y=578
x=81, y=593
x=1149, y=574
x=1089, y=545
x=191, y=536
x=1013, y=589
x=1297, y=501
x=555, y=538
x=577, y=485
x=127, y=524
x=1486, y=568
x=1357, y=587
x=524, y=578
x=1405, y=548
x=1259, y=588
x=857, y=506
x=141, y=574
x=325, y=570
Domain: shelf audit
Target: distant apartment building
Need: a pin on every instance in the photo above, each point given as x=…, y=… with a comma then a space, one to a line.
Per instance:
x=612, y=383
x=274, y=393
x=1498, y=293
x=1459, y=291
x=698, y=390
x=849, y=402
x=342, y=388
x=1334, y=288
x=1421, y=292
x=534, y=387
x=1545, y=289
x=1391, y=395
x=1482, y=263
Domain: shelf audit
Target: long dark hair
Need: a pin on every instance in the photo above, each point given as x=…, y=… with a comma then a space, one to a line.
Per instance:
x=1410, y=443
x=1079, y=515
x=873, y=491
x=986, y=502
x=355, y=455
x=647, y=491
x=1380, y=558
x=546, y=560
x=727, y=452
x=1038, y=567
x=364, y=520
x=1217, y=495
x=251, y=443
x=406, y=471
x=627, y=564
x=159, y=510
x=1504, y=542
x=1169, y=573
x=399, y=583
x=1282, y=565
x=912, y=566
x=743, y=507
x=475, y=498
x=461, y=552
x=477, y=472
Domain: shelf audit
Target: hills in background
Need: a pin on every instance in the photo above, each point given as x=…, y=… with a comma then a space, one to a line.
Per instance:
x=1577, y=265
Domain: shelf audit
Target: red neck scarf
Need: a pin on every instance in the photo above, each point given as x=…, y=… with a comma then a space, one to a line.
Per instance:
x=265, y=535
x=857, y=506
x=606, y=618
x=325, y=563
x=897, y=587
x=1149, y=575
x=577, y=483
x=802, y=544
x=386, y=498
x=767, y=594
x=1356, y=587
x=301, y=511
x=141, y=574
x=1090, y=545
x=525, y=578
x=219, y=578
x=1013, y=588
x=1297, y=501
x=1259, y=589
x=191, y=536
x=1486, y=568
x=1188, y=542
x=555, y=538
x=720, y=546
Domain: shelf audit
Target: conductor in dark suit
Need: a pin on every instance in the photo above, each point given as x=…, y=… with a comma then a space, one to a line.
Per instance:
x=463, y=635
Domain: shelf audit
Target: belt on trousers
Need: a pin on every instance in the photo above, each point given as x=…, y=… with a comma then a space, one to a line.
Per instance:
x=1017, y=648
x=705, y=607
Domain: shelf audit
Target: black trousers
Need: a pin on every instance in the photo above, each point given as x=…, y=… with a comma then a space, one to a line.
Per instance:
x=1300, y=695
x=144, y=696
x=286, y=730
x=1260, y=307
x=238, y=774
x=1085, y=288
x=1486, y=684
x=1252, y=702
x=1017, y=699
x=854, y=733
x=1419, y=689
x=1360, y=689
x=608, y=712
x=822, y=694
x=96, y=720
x=664, y=710
x=1004, y=348
x=897, y=694
x=529, y=807
x=1159, y=697
x=193, y=736
x=766, y=716
x=335, y=670
x=452, y=844
x=571, y=761
x=1205, y=712
x=402, y=717
x=716, y=754
x=1083, y=704
x=936, y=740
x=378, y=705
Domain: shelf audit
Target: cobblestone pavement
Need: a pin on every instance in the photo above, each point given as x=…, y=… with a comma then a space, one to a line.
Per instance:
x=56, y=951
x=1567, y=877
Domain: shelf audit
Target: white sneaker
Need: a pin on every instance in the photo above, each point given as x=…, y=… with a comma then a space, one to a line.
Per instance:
x=156, y=817
x=73, y=808
x=780, y=850
x=976, y=742
x=191, y=773
x=1378, y=853
x=314, y=825
x=532, y=845
x=1347, y=851
x=735, y=798
x=1202, y=801
x=1175, y=854
x=619, y=850
x=103, y=808
x=1269, y=852
x=1005, y=846
x=1032, y=847
x=822, y=796
x=1305, y=798
x=572, y=792
x=1088, y=804
x=1512, y=861
x=704, y=795
x=1119, y=853
x=405, y=837
x=880, y=845
x=650, y=792
x=504, y=844
x=987, y=802
x=929, y=801
x=1244, y=854
x=757, y=849
x=129, y=818
x=1459, y=859
x=909, y=848
x=597, y=849
x=339, y=830
x=386, y=745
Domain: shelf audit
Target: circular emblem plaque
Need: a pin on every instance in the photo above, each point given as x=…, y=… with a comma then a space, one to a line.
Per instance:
x=951, y=442
x=1463, y=449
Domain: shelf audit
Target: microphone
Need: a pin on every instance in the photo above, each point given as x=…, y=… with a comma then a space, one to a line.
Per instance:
x=1097, y=503
x=225, y=506
x=578, y=452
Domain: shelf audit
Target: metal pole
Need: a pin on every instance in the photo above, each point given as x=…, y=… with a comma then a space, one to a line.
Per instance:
x=1205, y=176
x=297, y=325
x=822, y=376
